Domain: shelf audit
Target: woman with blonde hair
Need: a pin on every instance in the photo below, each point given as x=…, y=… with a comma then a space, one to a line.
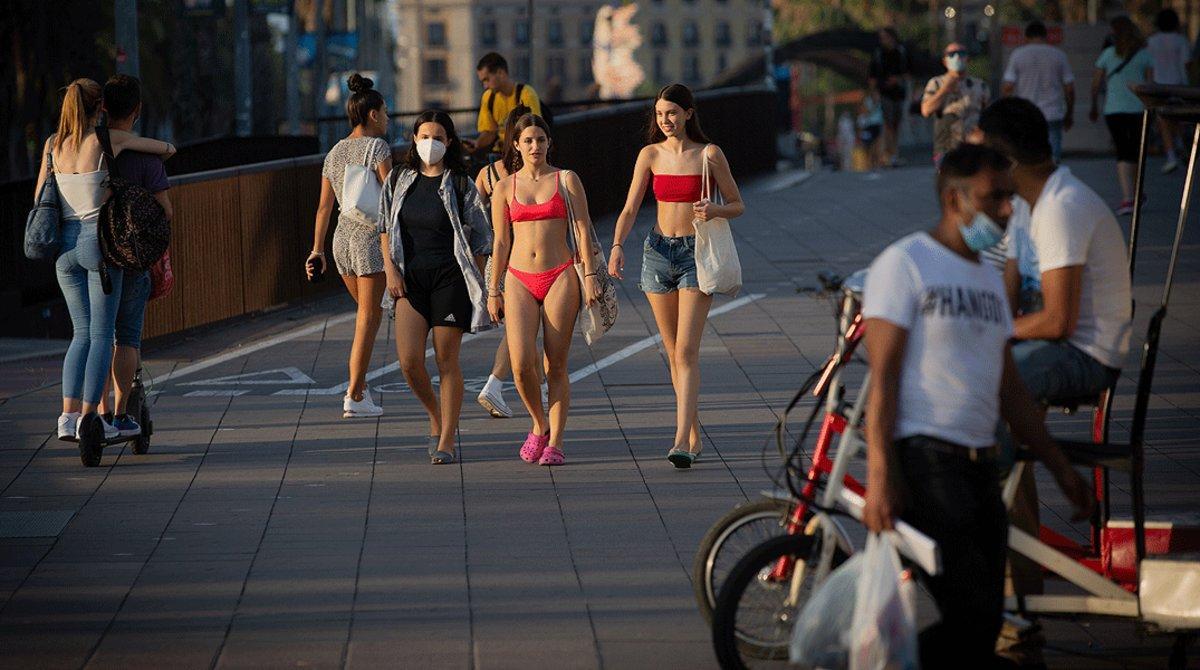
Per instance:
x=533, y=213
x=76, y=159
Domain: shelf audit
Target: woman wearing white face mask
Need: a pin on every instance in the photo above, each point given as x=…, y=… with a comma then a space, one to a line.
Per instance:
x=954, y=100
x=356, y=251
x=436, y=238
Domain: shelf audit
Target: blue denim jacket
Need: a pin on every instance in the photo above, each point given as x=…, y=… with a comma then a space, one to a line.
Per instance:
x=472, y=233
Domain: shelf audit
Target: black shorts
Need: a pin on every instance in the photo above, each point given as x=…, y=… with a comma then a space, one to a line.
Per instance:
x=1126, y=131
x=440, y=295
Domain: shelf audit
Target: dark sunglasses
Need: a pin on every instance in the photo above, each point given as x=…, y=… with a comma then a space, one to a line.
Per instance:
x=960, y=52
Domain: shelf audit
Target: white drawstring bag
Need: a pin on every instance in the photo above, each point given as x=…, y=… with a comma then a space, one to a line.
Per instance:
x=883, y=632
x=718, y=269
x=361, y=190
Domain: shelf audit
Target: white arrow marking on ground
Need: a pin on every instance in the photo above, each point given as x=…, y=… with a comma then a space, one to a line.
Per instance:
x=292, y=376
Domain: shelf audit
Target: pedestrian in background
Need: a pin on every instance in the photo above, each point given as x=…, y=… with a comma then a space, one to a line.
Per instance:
x=1124, y=63
x=356, y=251
x=954, y=100
x=890, y=75
x=1042, y=74
x=1172, y=55
x=501, y=95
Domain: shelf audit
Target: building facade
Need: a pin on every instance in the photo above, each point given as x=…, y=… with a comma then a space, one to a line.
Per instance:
x=688, y=41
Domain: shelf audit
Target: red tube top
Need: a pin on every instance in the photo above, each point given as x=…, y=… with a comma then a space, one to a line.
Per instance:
x=553, y=209
x=677, y=187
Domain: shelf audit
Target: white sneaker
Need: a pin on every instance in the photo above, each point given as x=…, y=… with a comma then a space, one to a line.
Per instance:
x=366, y=407
x=492, y=400
x=67, y=422
x=110, y=431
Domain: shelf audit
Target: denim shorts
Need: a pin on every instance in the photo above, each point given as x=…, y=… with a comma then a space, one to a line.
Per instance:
x=668, y=263
x=135, y=291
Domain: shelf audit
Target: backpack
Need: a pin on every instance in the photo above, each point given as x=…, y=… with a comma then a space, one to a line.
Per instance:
x=547, y=114
x=133, y=228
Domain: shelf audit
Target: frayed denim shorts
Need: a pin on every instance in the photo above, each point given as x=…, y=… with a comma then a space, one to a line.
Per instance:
x=668, y=263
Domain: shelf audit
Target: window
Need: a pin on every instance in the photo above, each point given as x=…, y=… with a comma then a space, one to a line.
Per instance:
x=586, y=28
x=659, y=36
x=691, y=34
x=754, y=34
x=521, y=32
x=554, y=33
x=691, y=69
x=434, y=104
x=722, y=34
x=556, y=66
x=524, y=71
x=436, y=72
x=586, y=76
x=435, y=34
x=660, y=71
x=487, y=33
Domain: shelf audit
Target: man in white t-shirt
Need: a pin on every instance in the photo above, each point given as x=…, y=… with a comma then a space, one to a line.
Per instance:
x=1041, y=74
x=942, y=375
x=1171, y=53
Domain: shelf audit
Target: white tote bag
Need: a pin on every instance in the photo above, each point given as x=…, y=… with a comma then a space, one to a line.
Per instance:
x=594, y=320
x=718, y=269
x=361, y=190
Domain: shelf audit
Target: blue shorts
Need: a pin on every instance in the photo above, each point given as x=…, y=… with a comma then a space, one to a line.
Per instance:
x=135, y=291
x=668, y=263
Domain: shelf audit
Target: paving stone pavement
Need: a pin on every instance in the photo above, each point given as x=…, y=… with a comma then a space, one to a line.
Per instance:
x=263, y=530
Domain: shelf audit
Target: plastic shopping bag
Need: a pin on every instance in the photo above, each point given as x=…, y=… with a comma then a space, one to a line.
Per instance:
x=821, y=636
x=883, y=632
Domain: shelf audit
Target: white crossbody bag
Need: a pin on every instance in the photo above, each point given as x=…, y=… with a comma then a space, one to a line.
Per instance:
x=718, y=268
x=361, y=190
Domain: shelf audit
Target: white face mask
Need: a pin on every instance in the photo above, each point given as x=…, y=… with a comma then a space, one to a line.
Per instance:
x=431, y=151
x=956, y=63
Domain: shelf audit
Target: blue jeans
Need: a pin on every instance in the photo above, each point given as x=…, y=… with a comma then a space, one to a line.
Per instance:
x=668, y=263
x=93, y=314
x=135, y=292
x=1056, y=134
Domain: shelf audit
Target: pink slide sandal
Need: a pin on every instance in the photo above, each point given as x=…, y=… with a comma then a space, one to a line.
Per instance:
x=534, y=445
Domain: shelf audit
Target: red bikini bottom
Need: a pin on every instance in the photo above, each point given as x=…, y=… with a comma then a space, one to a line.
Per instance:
x=539, y=283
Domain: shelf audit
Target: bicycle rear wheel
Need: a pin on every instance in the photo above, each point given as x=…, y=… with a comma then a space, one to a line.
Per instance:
x=727, y=541
x=755, y=611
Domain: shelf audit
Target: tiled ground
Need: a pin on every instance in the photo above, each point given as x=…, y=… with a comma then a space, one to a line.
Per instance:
x=264, y=531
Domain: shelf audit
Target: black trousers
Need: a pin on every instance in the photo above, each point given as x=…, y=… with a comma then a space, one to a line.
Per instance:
x=956, y=502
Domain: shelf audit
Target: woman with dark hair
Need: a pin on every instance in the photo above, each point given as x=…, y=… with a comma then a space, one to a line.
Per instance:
x=1172, y=54
x=356, y=251
x=1125, y=62
x=533, y=212
x=491, y=396
x=76, y=158
x=436, y=237
x=672, y=163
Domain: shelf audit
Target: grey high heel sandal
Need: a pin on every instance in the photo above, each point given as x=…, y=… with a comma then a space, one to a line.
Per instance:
x=442, y=458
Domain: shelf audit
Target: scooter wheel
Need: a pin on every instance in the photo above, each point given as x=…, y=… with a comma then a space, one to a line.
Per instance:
x=141, y=445
x=91, y=441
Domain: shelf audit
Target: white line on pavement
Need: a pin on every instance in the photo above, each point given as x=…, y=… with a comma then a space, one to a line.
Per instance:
x=206, y=363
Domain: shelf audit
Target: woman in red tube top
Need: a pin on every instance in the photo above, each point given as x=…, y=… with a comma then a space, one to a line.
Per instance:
x=534, y=245
x=672, y=163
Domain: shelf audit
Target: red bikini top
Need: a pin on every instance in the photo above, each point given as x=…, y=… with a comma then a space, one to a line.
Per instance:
x=553, y=209
x=677, y=187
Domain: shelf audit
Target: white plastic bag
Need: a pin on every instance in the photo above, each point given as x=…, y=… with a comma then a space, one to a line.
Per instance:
x=361, y=190
x=718, y=268
x=821, y=636
x=883, y=633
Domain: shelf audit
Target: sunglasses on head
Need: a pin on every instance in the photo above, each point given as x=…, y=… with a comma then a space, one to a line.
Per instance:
x=957, y=52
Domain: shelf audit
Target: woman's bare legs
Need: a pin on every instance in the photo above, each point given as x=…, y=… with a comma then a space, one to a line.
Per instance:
x=367, y=292
x=447, y=340
x=412, y=330
x=681, y=316
x=558, y=326
x=522, y=317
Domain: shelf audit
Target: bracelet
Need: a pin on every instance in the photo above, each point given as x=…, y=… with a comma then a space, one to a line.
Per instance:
x=617, y=244
x=591, y=274
x=498, y=294
x=317, y=253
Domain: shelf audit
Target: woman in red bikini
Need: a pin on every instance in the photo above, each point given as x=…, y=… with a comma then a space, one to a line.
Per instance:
x=672, y=162
x=533, y=243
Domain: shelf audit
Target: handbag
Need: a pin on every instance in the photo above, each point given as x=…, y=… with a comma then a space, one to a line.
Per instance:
x=361, y=190
x=601, y=315
x=718, y=269
x=43, y=226
x=162, y=277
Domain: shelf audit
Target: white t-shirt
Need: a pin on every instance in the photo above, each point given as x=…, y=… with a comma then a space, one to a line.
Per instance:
x=1040, y=71
x=1071, y=225
x=1171, y=53
x=1019, y=244
x=958, y=323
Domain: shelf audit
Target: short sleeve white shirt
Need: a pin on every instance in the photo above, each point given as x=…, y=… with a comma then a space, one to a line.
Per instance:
x=1171, y=53
x=1071, y=225
x=958, y=323
x=1039, y=72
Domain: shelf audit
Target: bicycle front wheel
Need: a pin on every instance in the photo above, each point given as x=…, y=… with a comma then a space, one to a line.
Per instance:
x=759, y=602
x=727, y=541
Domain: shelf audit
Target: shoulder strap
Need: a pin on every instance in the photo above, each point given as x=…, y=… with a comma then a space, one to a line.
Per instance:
x=493, y=176
x=1122, y=65
x=566, y=196
x=517, y=98
x=370, y=147
x=106, y=151
x=491, y=101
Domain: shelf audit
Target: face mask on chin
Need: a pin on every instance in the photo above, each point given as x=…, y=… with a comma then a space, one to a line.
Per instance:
x=982, y=232
x=431, y=151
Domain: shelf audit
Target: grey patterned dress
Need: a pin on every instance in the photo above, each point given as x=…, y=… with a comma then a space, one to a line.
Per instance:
x=356, y=249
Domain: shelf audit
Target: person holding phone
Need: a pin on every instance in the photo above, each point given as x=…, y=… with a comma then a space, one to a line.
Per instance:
x=357, y=253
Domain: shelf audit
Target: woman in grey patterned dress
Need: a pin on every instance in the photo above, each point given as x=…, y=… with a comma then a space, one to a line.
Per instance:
x=357, y=253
